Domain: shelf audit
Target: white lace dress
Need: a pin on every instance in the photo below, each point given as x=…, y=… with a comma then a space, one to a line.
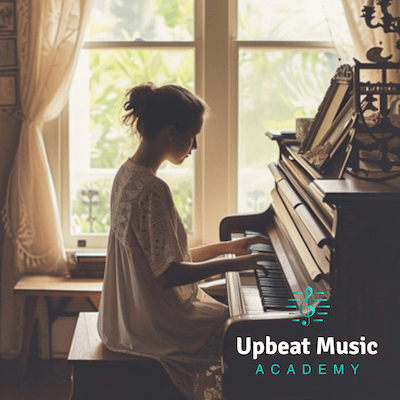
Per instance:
x=180, y=327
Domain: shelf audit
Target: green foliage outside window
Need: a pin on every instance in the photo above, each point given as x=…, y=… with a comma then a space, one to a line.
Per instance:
x=101, y=211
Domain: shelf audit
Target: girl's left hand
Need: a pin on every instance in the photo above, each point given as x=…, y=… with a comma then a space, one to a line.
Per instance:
x=240, y=246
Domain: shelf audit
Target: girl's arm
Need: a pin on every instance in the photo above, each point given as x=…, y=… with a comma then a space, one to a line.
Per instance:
x=238, y=247
x=182, y=273
x=209, y=251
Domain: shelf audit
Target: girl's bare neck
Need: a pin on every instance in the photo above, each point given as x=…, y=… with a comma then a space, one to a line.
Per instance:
x=149, y=155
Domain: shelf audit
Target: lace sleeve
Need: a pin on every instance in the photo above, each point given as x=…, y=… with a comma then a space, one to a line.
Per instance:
x=159, y=230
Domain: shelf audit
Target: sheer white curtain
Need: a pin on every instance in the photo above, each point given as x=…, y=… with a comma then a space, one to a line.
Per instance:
x=339, y=30
x=50, y=35
x=351, y=35
x=357, y=38
x=364, y=38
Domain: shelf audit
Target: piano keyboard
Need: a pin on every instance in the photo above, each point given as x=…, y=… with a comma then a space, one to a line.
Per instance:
x=269, y=289
x=273, y=288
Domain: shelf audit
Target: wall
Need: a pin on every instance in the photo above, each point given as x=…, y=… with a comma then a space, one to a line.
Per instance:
x=9, y=135
x=9, y=124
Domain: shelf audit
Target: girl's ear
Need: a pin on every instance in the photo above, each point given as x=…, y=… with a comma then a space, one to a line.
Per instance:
x=171, y=131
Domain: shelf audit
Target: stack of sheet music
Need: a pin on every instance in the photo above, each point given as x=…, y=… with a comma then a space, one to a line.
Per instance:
x=88, y=264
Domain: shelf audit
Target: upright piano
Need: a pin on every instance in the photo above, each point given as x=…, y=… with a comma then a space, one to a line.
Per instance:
x=337, y=248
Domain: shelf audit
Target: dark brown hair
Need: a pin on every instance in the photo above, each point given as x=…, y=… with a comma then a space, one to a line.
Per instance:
x=151, y=108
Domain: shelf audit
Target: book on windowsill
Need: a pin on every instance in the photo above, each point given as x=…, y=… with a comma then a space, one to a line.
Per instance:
x=88, y=264
x=82, y=256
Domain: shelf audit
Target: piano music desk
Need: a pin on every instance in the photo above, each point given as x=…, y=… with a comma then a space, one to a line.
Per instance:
x=47, y=287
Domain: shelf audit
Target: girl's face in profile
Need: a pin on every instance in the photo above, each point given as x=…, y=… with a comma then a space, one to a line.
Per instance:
x=183, y=143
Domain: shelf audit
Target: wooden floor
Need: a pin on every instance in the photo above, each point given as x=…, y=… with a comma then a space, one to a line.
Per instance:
x=44, y=380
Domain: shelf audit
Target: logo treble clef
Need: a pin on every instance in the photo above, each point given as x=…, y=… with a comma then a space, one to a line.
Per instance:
x=309, y=310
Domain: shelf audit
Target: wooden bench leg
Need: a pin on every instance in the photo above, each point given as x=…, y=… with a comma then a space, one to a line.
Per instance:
x=122, y=381
x=29, y=322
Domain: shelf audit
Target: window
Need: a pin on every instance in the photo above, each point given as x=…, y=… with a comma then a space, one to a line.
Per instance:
x=285, y=63
x=256, y=63
x=127, y=43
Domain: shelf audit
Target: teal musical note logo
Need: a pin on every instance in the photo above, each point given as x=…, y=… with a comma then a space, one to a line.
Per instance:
x=309, y=312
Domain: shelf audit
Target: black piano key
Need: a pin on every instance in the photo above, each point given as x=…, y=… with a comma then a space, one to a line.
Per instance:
x=278, y=291
x=272, y=285
x=268, y=283
x=275, y=291
x=265, y=270
x=272, y=273
x=269, y=286
x=268, y=265
x=264, y=273
x=273, y=302
x=272, y=279
x=268, y=273
x=275, y=296
x=280, y=300
x=274, y=308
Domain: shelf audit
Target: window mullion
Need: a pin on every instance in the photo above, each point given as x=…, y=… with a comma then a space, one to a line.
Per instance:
x=289, y=45
x=138, y=45
x=216, y=173
x=233, y=98
x=198, y=215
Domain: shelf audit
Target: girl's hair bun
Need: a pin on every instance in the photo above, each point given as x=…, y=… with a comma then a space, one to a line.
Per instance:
x=150, y=108
x=137, y=98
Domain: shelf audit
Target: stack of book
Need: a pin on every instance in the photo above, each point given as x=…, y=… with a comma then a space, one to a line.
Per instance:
x=88, y=264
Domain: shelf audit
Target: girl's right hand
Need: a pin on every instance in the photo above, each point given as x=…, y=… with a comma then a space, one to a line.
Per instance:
x=249, y=261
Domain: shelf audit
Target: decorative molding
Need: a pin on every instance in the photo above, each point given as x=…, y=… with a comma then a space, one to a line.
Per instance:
x=9, y=72
x=6, y=112
x=8, y=22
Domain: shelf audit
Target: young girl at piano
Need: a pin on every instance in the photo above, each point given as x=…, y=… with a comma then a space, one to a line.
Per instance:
x=151, y=304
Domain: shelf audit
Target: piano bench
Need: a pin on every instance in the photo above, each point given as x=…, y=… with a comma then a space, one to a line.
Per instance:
x=100, y=374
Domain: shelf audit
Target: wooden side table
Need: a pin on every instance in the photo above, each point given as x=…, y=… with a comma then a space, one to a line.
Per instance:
x=47, y=286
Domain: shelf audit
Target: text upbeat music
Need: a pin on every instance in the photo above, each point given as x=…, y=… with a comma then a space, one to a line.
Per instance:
x=323, y=346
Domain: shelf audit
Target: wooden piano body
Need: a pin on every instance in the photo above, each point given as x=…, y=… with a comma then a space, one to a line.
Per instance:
x=340, y=237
